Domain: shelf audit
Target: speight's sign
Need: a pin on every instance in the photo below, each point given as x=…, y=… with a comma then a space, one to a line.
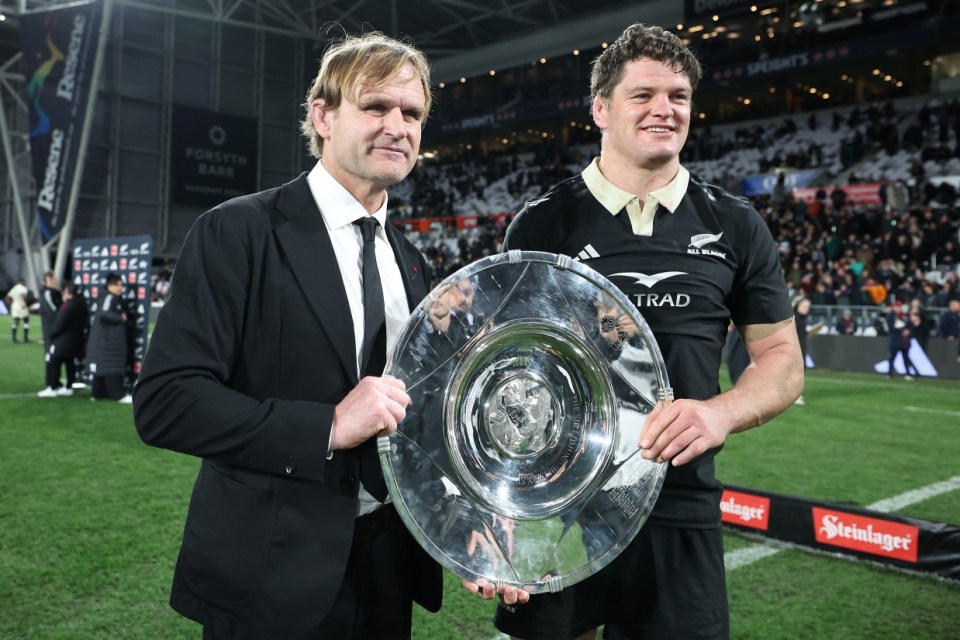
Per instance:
x=59, y=48
x=699, y=10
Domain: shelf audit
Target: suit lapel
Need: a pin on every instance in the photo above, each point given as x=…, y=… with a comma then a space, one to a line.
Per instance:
x=411, y=270
x=307, y=246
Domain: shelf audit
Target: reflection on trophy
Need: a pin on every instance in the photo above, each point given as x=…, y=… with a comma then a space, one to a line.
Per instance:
x=530, y=377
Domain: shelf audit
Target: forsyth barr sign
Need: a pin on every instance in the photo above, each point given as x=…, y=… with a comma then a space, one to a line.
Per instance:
x=213, y=156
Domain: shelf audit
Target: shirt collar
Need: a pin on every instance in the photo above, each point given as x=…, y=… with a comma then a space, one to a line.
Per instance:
x=614, y=199
x=337, y=205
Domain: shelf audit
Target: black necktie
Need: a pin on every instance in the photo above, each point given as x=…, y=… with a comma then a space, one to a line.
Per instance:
x=374, y=351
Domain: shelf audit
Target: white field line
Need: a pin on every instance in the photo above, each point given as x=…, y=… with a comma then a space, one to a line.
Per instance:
x=942, y=412
x=748, y=555
x=881, y=382
x=917, y=495
x=17, y=396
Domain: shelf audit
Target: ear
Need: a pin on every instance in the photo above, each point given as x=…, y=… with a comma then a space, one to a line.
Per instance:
x=321, y=118
x=599, y=112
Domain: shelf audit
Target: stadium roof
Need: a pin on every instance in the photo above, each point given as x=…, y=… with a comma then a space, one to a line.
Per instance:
x=461, y=37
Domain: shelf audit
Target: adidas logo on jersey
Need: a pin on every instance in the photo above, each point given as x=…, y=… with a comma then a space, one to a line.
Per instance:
x=698, y=242
x=587, y=253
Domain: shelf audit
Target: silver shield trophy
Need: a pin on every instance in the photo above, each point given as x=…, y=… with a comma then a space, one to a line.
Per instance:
x=530, y=376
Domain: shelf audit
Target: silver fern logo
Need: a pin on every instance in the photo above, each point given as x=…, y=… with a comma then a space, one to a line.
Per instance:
x=702, y=239
x=699, y=241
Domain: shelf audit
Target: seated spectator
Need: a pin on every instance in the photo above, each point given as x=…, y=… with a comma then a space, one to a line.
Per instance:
x=822, y=295
x=846, y=324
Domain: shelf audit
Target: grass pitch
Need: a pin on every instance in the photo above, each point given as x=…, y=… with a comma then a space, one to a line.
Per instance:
x=91, y=518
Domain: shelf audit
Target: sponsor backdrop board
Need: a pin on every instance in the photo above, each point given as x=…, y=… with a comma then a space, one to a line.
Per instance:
x=869, y=354
x=905, y=543
x=130, y=258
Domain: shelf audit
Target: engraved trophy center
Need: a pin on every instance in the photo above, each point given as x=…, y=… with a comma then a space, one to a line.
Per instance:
x=520, y=417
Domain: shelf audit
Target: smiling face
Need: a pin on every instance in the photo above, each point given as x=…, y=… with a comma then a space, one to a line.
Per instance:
x=646, y=118
x=372, y=139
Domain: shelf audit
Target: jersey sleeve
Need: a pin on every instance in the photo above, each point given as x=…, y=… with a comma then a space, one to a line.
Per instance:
x=760, y=292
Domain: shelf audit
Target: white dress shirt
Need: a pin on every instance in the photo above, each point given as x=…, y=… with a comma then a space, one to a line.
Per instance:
x=339, y=209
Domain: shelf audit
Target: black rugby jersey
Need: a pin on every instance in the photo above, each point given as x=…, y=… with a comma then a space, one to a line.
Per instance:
x=711, y=260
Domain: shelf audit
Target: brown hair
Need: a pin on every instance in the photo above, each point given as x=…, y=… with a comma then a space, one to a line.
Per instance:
x=642, y=41
x=369, y=59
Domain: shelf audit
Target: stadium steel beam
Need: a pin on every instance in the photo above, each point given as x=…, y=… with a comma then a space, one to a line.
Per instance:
x=584, y=32
x=550, y=28
x=166, y=107
x=28, y=252
x=482, y=13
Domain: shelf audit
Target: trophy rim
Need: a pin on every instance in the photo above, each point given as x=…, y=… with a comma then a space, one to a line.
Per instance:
x=386, y=443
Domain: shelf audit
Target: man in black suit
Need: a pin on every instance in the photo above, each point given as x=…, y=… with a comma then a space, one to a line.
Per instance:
x=66, y=335
x=259, y=365
x=107, y=352
x=50, y=301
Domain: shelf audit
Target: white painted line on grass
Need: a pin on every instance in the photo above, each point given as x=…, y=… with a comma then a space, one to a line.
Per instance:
x=882, y=382
x=748, y=555
x=942, y=412
x=917, y=495
x=17, y=396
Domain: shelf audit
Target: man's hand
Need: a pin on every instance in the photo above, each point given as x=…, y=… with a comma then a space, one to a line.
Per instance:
x=374, y=407
x=686, y=428
x=487, y=590
x=682, y=430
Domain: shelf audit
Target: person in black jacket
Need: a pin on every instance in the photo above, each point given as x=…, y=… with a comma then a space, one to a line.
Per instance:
x=260, y=365
x=50, y=301
x=66, y=342
x=107, y=352
x=900, y=335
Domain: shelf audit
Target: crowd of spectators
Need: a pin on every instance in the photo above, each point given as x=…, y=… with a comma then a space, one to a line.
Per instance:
x=851, y=260
x=867, y=257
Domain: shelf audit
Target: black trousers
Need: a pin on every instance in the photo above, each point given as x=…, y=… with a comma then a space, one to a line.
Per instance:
x=110, y=387
x=907, y=362
x=53, y=371
x=374, y=602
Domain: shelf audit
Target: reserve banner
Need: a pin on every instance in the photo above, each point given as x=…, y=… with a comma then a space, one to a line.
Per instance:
x=59, y=48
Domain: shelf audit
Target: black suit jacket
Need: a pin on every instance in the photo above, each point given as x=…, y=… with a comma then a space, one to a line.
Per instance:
x=69, y=328
x=249, y=356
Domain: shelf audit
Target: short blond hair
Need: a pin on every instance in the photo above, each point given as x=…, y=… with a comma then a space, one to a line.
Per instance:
x=370, y=59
